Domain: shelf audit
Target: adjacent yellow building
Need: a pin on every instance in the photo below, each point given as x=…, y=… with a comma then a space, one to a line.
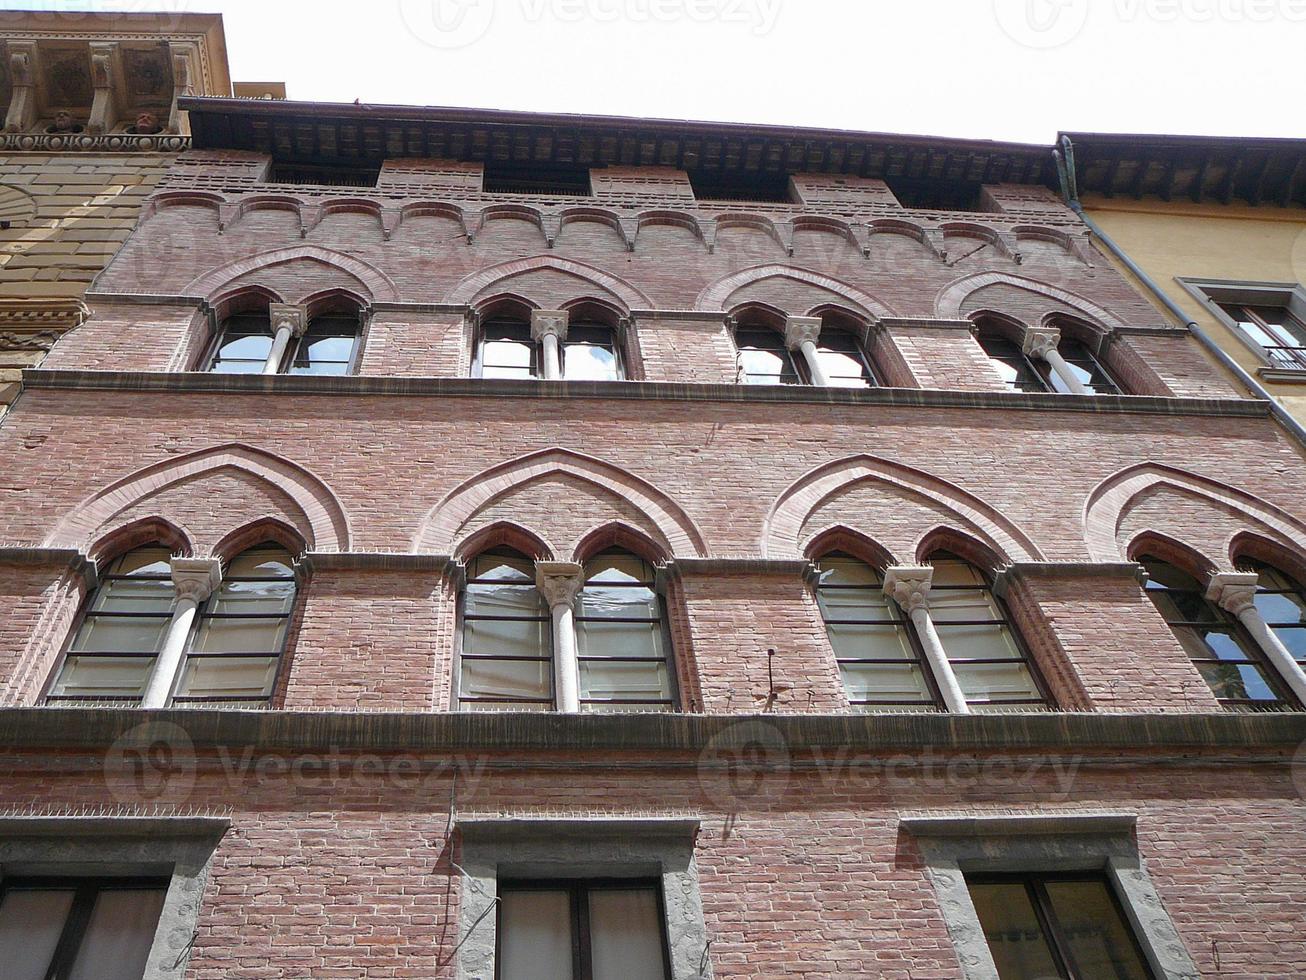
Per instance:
x=1219, y=225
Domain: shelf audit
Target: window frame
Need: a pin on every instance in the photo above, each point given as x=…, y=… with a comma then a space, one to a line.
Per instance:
x=1045, y=699
x=1051, y=378
x=1295, y=588
x=203, y=614
x=617, y=338
x=935, y=705
x=460, y=624
x=536, y=366
x=672, y=702
x=870, y=376
x=289, y=355
x=86, y=890
x=79, y=621
x=578, y=891
x=219, y=333
x=1214, y=294
x=355, y=354
x=1252, y=653
x=1035, y=883
x=1027, y=363
x=742, y=374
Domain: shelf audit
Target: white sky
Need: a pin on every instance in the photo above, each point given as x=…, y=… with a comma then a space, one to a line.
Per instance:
x=995, y=69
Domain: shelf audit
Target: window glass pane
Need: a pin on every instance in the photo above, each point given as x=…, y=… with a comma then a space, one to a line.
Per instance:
x=886, y=682
x=534, y=935
x=103, y=677
x=996, y=682
x=1183, y=607
x=515, y=568
x=119, y=936
x=245, y=348
x=143, y=561
x=142, y=595
x=985, y=642
x=1294, y=638
x=838, y=604
x=233, y=677
x=848, y=571
x=328, y=348
x=618, y=601
x=1238, y=681
x=1015, y=937
x=121, y=634
x=595, y=638
x=765, y=363
x=240, y=636
x=245, y=598
x=618, y=567
x=954, y=571
x=1100, y=941
x=1281, y=607
x=962, y=604
x=499, y=677
x=261, y=563
x=237, y=367
x=866, y=642
x=587, y=362
x=625, y=935
x=507, y=638
x=503, y=600
x=1010, y=363
x=622, y=680
x=1163, y=574
x=31, y=921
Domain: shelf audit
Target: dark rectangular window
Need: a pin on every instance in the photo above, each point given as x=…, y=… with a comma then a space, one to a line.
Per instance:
x=716, y=185
x=343, y=176
x=593, y=929
x=936, y=195
x=1056, y=925
x=78, y=928
x=504, y=178
x=1278, y=332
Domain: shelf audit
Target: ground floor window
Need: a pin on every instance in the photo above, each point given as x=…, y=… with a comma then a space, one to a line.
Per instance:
x=593, y=929
x=1056, y=925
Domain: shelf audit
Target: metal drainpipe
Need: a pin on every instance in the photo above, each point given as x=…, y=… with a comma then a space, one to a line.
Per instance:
x=1065, y=157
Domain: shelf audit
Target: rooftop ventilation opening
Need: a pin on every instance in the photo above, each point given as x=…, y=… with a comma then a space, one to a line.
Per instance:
x=936, y=195
x=717, y=185
x=330, y=176
x=514, y=178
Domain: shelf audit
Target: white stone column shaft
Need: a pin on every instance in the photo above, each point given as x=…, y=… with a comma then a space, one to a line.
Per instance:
x=801, y=333
x=193, y=579
x=559, y=582
x=909, y=587
x=287, y=322
x=1236, y=592
x=1042, y=345
x=549, y=328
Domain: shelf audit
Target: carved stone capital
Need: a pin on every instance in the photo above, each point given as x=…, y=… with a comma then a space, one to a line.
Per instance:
x=287, y=315
x=799, y=329
x=558, y=581
x=1038, y=342
x=545, y=323
x=1233, y=591
x=195, y=578
x=909, y=585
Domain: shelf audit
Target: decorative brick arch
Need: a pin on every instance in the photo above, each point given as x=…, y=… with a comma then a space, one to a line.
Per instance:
x=465, y=291
x=715, y=296
x=784, y=522
x=952, y=297
x=437, y=531
x=380, y=285
x=1110, y=501
x=326, y=518
x=171, y=199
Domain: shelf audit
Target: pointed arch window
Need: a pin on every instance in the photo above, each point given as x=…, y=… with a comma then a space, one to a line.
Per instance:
x=1226, y=657
x=1281, y=601
x=622, y=643
x=590, y=352
x=763, y=357
x=878, y=655
x=506, y=661
x=242, y=345
x=843, y=360
x=506, y=351
x=983, y=649
x=123, y=629
x=1016, y=368
x=241, y=630
x=251, y=343
x=587, y=350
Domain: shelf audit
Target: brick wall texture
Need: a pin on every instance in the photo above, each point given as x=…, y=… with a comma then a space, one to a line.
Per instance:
x=352, y=874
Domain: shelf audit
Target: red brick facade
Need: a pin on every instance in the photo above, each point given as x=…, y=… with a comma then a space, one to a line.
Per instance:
x=389, y=480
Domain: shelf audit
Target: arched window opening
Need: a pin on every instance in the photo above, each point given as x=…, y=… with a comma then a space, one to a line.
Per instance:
x=623, y=650
x=987, y=657
x=763, y=358
x=843, y=360
x=123, y=629
x=288, y=343
x=1281, y=601
x=506, y=351
x=1017, y=370
x=591, y=353
x=1217, y=644
x=329, y=346
x=243, y=345
x=506, y=661
x=1083, y=366
x=241, y=630
x=876, y=649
